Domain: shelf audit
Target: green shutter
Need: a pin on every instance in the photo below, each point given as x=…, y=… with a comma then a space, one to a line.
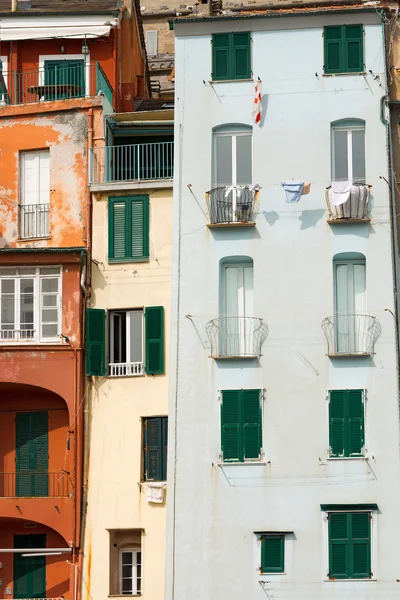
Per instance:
x=273, y=553
x=353, y=49
x=231, y=430
x=346, y=422
x=32, y=454
x=117, y=224
x=349, y=545
x=251, y=424
x=23, y=454
x=343, y=49
x=153, y=449
x=29, y=571
x=139, y=239
x=241, y=68
x=95, y=341
x=64, y=79
x=40, y=452
x=336, y=422
x=333, y=50
x=220, y=56
x=164, y=437
x=154, y=336
x=128, y=228
x=360, y=545
x=338, y=546
x=355, y=436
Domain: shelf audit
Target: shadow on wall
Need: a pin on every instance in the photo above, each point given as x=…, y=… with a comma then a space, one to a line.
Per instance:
x=234, y=235
x=271, y=217
x=353, y=362
x=248, y=363
x=360, y=229
x=310, y=218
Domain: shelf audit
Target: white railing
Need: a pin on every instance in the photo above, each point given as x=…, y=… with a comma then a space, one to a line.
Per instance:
x=34, y=221
x=16, y=335
x=126, y=369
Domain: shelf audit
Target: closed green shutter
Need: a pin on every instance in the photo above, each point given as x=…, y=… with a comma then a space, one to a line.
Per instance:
x=338, y=546
x=336, y=422
x=128, y=228
x=23, y=455
x=355, y=423
x=241, y=68
x=353, y=49
x=154, y=336
x=349, y=545
x=164, y=423
x=231, y=429
x=343, y=49
x=32, y=454
x=29, y=571
x=333, y=50
x=140, y=228
x=117, y=229
x=95, y=341
x=273, y=554
x=40, y=450
x=152, y=449
x=361, y=545
x=220, y=56
x=251, y=424
x=346, y=423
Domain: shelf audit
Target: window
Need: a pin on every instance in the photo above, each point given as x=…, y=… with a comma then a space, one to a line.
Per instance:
x=349, y=545
x=343, y=47
x=35, y=194
x=232, y=156
x=151, y=42
x=3, y=80
x=231, y=56
x=130, y=572
x=155, y=443
x=241, y=435
x=350, y=303
x=348, y=151
x=128, y=222
x=273, y=553
x=134, y=347
x=32, y=444
x=30, y=304
x=64, y=79
x=346, y=423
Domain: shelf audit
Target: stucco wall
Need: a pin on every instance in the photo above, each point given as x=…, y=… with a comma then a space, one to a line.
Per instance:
x=218, y=509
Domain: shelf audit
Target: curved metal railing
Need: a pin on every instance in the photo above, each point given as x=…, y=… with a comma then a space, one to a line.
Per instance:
x=236, y=336
x=231, y=204
x=356, y=207
x=351, y=334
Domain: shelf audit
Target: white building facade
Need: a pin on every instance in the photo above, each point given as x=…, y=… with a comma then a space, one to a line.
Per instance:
x=284, y=438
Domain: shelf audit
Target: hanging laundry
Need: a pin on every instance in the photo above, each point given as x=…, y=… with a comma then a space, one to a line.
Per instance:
x=155, y=492
x=293, y=190
x=306, y=189
x=339, y=192
x=256, y=112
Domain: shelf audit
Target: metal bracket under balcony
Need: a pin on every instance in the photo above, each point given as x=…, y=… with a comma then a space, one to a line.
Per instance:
x=351, y=335
x=236, y=337
x=231, y=206
x=354, y=210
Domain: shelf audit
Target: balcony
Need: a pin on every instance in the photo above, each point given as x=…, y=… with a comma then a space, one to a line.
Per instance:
x=54, y=82
x=231, y=206
x=34, y=221
x=355, y=210
x=133, y=162
x=236, y=337
x=351, y=335
x=125, y=369
x=27, y=484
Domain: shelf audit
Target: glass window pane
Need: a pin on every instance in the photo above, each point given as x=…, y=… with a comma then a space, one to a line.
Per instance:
x=26, y=304
x=7, y=286
x=127, y=586
x=136, y=343
x=49, y=285
x=243, y=160
x=49, y=331
x=358, y=155
x=7, y=306
x=27, y=271
x=126, y=570
x=223, y=160
x=342, y=291
x=340, y=156
x=248, y=291
x=49, y=315
x=127, y=558
x=26, y=286
x=231, y=291
x=49, y=270
x=359, y=289
x=5, y=271
x=49, y=300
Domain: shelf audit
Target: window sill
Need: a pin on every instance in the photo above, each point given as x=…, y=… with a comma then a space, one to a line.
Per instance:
x=213, y=81
x=339, y=458
x=253, y=463
x=343, y=74
x=121, y=186
x=334, y=580
x=353, y=355
x=236, y=357
x=345, y=221
x=114, y=261
x=124, y=595
x=231, y=225
x=264, y=574
x=45, y=237
x=32, y=343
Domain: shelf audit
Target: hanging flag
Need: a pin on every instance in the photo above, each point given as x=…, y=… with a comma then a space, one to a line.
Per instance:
x=256, y=112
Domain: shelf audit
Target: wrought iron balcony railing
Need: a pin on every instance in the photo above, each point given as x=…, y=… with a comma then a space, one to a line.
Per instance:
x=17, y=335
x=34, y=221
x=351, y=334
x=356, y=208
x=236, y=337
x=126, y=369
x=134, y=162
x=29, y=484
x=231, y=204
x=54, y=82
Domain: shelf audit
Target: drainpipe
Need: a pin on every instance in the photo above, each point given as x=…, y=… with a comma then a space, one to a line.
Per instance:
x=14, y=5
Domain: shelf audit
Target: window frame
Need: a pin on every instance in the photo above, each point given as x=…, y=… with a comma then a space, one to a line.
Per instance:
x=280, y=570
x=128, y=201
x=348, y=126
x=38, y=307
x=244, y=461
x=164, y=449
x=364, y=417
x=345, y=70
x=134, y=577
x=230, y=58
x=232, y=132
x=111, y=333
x=72, y=57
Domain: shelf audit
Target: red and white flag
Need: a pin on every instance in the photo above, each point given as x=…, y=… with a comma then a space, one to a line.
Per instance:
x=256, y=112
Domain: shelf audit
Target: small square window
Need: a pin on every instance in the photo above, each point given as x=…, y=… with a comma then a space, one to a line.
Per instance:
x=343, y=49
x=231, y=56
x=273, y=553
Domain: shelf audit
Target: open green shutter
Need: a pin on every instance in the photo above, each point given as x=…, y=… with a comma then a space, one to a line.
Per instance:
x=251, y=424
x=117, y=228
x=273, y=554
x=221, y=56
x=355, y=407
x=24, y=482
x=154, y=335
x=153, y=449
x=353, y=49
x=95, y=341
x=360, y=545
x=29, y=571
x=338, y=546
x=337, y=422
x=40, y=451
x=240, y=56
x=164, y=436
x=139, y=239
x=231, y=429
x=333, y=55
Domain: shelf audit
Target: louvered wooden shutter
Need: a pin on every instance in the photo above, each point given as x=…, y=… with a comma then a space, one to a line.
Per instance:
x=139, y=242
x=40, y=451
x=164, y=423
x=336, y=422
x=338, y=546
x=117, y=228
x=333, y=50
x=273, y=554
x=154, y=335
x=231, y=430
x=251, y=424
x=241, y=67
x=360, y=545
x=153, y=449
x=220, y=56
x=355, y=407
x=24, y=482
x=353, y=49
x=95, y=341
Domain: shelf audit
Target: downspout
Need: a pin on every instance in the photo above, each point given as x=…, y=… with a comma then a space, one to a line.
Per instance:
x=14, y=5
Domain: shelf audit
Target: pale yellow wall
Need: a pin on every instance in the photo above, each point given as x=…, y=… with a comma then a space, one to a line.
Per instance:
x=117, y=405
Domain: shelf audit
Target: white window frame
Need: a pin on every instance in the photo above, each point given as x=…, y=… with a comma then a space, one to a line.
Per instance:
x=154, y=34
x=125, y=369
x=135, y=578
x=37, y=304
x=349, y=129
x=364, y=454
x=264, y=578
x=325, y=547
x=84, y=57
x=22, y=154
x=4, y=61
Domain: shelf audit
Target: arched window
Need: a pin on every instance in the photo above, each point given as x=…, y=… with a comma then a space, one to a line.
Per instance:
x=232, y=155
x=348, y=150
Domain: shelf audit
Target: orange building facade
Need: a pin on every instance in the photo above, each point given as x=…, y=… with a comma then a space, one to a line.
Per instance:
x=54, y=93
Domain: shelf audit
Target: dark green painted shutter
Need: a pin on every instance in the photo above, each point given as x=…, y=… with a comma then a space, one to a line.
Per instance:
x=95, y=341
x=361, y=545
x=128, y=224
x=154, y=336
x=64, y=79
x=231, y=430
x=40, y=452
x=333, y=50
x=336, y=422
x=29, y=571
x=220, y=56
x=139, y=239
x=241, y=68
x=273, y=554
x=32, y=454
x=346, y=422
x=355, y=422
x=164, y=423
x=153, y=449
x=23, y=454
x=251, y=424
x=338, y=546
x=117, y=223
x=353, y=49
